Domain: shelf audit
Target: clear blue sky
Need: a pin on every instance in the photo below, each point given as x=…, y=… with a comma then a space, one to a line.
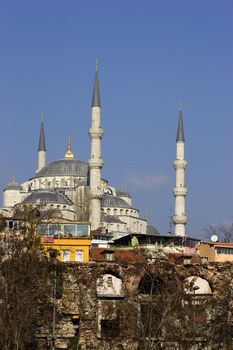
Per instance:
x=151, y=53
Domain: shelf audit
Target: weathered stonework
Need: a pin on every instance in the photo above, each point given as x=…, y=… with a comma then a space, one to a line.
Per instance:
x=80, y=298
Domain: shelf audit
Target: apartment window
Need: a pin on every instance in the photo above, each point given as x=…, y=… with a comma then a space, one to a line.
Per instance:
x=109, y=256
x=65, y=255
x=219, y=250
x=78, y=255
x=109, y=281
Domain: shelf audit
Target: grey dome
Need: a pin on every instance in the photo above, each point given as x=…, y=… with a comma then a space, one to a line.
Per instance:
x=111, y=219
x=64, y=167
x=151, y=230
x=114, y=201
x=14, y=186
x=123, y=193
x=47, y=197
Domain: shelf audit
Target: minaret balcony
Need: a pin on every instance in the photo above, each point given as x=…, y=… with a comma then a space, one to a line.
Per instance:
x=180, y=191
x=95, y=163
x=96, y=133
x=180, y=219
x=180, y=164
x=96, y=193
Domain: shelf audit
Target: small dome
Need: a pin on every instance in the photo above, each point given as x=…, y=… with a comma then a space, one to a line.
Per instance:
x=114, y=201
x=47, y=197
x=64, y=167
x=151, y=230
x=111, y=219
x=123, y=193
x=14, y=186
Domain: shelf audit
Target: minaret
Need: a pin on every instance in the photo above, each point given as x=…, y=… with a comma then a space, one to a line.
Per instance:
x=41, y=147
x=95, y=162
x=180, y=191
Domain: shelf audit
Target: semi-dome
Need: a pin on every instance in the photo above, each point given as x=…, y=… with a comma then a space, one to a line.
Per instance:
x=14, y=186
x=45, y=197
x=114, y=201
x=123, y=193
x=64, y=167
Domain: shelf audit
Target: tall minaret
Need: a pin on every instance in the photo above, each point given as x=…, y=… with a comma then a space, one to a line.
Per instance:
x=180, y=191
x=41, y=147
x=95, y=162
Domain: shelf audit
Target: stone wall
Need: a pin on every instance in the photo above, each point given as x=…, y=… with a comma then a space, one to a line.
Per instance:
x=89, y=318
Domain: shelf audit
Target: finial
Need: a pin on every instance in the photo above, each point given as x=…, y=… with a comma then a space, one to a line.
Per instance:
x=69, y=154
x=96, y=64
x=13, y=180
x=69, y=144
x=41, y=116
x=181, y=104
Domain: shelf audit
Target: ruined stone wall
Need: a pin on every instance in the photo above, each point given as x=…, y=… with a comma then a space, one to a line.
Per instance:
x=80, y=308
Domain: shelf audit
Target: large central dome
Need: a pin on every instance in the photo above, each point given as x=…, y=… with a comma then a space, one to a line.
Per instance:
x=64, y=167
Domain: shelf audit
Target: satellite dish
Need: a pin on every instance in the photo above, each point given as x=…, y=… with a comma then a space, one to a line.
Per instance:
x=214, y=238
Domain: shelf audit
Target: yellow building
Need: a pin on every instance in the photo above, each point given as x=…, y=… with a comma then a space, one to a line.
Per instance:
x=71, y=240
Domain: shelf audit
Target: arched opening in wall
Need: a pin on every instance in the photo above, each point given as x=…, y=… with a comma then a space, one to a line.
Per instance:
x=108, y=285
x=115, y=211
x=121, y=211
x=127, y=212
x=110, y=292
x=197, y=302
x=195, y=285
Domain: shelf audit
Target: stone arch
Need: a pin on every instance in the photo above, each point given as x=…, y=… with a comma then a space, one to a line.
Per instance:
x=197, y=286
x=109, y=285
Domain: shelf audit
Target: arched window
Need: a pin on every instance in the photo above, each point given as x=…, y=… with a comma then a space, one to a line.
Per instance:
x=109, y=285
x=196, y=285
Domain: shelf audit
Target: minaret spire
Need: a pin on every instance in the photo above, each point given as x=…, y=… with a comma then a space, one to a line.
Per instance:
x=180, y=191
x=95, y=161
x=180, y=129
x=41, y=146
x=96, y=90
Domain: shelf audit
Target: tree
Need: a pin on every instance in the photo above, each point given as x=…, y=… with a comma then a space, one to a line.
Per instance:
x=25, y=280
x=220, y=325
x=224, y=231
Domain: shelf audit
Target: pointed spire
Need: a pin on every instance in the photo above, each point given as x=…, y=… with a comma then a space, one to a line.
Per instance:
x=96, y=92
x=41, y=146
x=69, y=154
x=180, y=129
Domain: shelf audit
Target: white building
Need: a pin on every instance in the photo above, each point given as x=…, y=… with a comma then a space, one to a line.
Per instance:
x=76, y=188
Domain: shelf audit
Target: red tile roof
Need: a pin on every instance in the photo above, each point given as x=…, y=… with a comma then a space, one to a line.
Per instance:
x=119, y=255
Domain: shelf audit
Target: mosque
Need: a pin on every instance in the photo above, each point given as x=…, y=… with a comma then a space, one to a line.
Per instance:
x=79, y=192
